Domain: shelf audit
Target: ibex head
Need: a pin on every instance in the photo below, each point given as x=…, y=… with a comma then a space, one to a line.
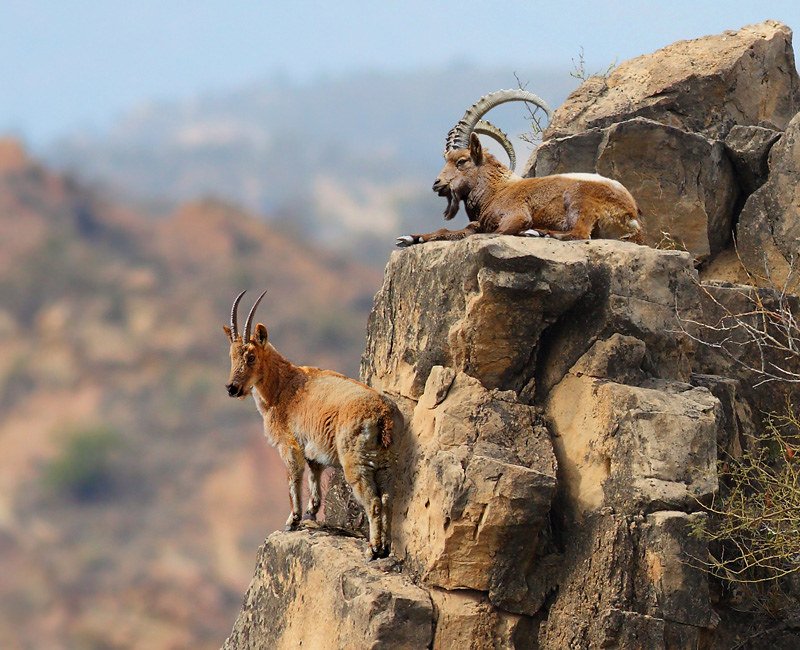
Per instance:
x=461, y=173
x=463, y=152
x=247, y=352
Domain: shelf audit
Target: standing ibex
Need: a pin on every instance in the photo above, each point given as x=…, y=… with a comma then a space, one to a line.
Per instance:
x=321, y=418
x=566, y=206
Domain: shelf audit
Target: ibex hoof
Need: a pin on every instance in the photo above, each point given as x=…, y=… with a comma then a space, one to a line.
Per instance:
x=531, y=233
x=292, y=524
x=374, y=553
x=406, y=240
x=310, y=516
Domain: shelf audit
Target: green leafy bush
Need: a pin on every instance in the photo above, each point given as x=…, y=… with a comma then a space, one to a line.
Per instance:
x=84, y=470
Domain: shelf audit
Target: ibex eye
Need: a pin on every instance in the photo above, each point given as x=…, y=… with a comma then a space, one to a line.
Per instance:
x=461, y=162
x=251, y=358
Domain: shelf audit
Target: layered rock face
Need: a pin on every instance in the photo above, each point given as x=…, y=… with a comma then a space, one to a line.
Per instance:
x=551, y=467
x=688, y=130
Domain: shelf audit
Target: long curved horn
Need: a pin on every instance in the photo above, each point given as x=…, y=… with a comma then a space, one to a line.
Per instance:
x=235, y=316
x=249, y=320
x=458, y=138
x=487, y=128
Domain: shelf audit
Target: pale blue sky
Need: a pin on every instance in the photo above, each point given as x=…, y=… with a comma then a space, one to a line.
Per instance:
x=68, y=63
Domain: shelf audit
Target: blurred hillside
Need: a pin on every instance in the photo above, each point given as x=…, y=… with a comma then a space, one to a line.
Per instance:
x=347, y=162
x=133, y=491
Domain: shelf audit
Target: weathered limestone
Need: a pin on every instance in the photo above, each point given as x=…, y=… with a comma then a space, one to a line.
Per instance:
x=768, y=234
x=551, y=467
x=633, y=291
x=314, y=590
x=480, y=306
x=706, y=85
x=476, y=477
x=632, y=448
x=685, y=184
x=627, y=584
x=748, y=148
x=465, y=619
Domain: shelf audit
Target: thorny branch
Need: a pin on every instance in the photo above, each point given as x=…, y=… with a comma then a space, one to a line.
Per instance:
x=769, y=325
x=753, y=527
x=536, y=116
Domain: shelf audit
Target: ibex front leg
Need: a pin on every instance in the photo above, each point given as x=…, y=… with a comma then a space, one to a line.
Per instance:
x=439, y=235
x=295, y=463
x=315, y=499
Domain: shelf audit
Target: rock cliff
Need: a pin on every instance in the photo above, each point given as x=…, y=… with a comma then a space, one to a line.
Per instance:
x=552, y=465
x=562, y=428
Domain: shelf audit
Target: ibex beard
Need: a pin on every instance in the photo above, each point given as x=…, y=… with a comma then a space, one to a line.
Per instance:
x=321, y=419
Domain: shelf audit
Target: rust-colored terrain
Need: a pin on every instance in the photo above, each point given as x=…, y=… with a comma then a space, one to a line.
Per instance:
x=133, y=490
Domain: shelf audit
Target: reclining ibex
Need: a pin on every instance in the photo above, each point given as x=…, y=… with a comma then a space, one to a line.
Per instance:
x=565, y=206
x=320, y=418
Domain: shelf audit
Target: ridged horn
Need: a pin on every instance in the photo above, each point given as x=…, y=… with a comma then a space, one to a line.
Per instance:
x=249, y=321
x=487, y=128
x=458, y=138
x=235, y=316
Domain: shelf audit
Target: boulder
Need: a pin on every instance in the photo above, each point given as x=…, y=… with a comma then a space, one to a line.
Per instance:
x=465, y=619
x=475, y=479
x=768, y=233
x=684, y=183
x=478, y=305
x=481, y=305
x=313, y=589
x=631, y=583
x=706, y=85
x=748, y=148
x=631, y=448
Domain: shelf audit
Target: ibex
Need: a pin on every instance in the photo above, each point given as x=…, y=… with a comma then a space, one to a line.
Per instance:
x=565, y=206
x=320, y=418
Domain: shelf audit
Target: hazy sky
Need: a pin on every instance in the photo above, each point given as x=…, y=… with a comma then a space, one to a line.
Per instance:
x=68, y=63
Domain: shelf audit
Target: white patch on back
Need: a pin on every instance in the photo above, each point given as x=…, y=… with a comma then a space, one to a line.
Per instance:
x=597, y=178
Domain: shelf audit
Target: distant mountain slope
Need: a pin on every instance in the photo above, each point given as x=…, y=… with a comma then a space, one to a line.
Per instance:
x=347, y=161
x=143, y=534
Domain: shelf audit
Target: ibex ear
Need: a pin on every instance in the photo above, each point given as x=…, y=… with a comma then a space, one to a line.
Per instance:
x=228, y=332
x=475, y=149
x=261, y=335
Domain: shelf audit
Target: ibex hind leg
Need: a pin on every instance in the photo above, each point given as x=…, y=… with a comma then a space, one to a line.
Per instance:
x=384, y=481
x=362, y=481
